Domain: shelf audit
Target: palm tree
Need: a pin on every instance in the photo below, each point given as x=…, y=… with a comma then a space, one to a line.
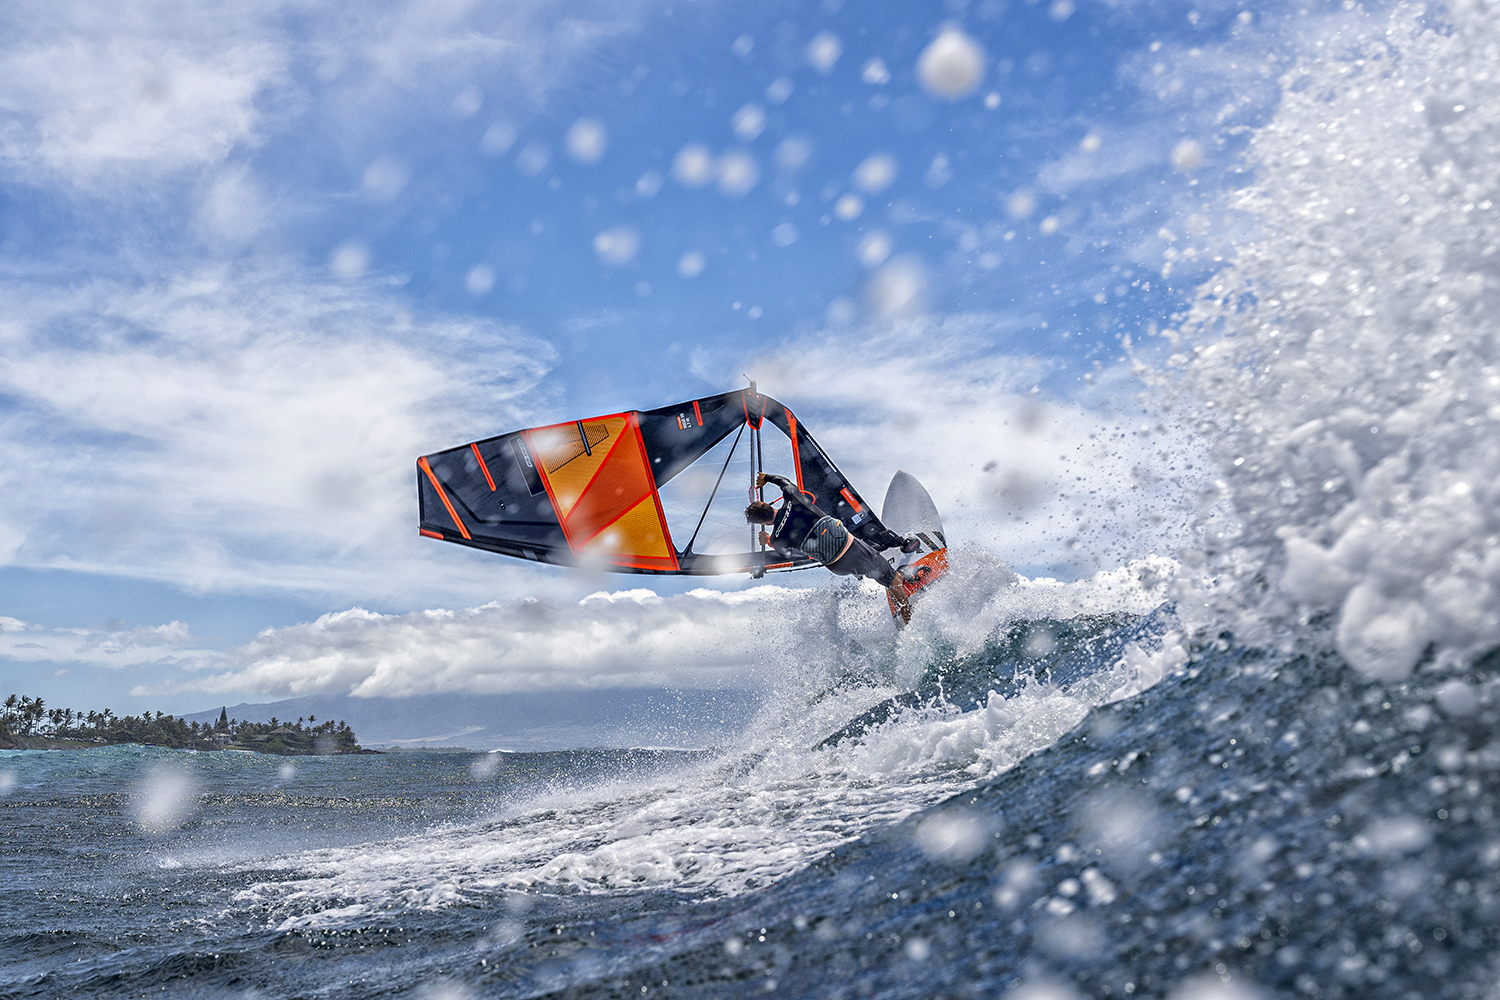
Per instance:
x=31, y=713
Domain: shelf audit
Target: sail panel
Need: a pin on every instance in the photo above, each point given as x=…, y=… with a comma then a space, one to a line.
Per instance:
x=596, y=473
x=637, y=538
x=569, y=462
x=509, y=518
x=677, y=436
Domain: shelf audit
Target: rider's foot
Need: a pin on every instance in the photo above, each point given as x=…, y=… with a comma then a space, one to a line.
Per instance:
x=900, y=602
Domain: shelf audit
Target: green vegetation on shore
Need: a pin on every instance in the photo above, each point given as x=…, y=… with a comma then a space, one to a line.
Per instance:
x=26, y=723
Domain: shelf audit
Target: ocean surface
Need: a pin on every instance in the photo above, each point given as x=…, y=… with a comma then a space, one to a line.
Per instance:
x=1266, y=765
x=1120, y=814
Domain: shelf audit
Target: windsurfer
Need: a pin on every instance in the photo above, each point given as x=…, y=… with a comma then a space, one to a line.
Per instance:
x=800, y=525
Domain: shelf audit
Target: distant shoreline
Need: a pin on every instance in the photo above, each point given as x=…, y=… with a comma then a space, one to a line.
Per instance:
x=27, y=724
x=13, y=742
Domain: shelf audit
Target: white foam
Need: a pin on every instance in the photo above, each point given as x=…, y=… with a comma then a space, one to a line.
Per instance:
x=1345, y=366
x=769, y=805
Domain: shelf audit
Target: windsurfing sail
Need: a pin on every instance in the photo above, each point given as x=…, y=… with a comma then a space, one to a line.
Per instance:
x=643, y=491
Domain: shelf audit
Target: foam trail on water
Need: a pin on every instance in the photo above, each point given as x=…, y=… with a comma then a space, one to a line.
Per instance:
x=770, y=804
x=1345, y=367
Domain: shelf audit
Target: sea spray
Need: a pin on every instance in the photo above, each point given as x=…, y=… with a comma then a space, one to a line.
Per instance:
x=1344, y=367
x=772, y=801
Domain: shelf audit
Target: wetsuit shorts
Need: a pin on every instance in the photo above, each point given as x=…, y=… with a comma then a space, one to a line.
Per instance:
x=861, y=560
x=826, y=540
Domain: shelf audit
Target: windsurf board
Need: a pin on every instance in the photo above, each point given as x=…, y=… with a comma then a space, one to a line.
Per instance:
x=909, y=510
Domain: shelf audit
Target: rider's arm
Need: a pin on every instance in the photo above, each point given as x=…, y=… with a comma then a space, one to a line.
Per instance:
x=788, y=488
x=780, y=546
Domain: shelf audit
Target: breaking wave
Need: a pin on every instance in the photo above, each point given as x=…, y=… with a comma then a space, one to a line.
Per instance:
x=1344, y=367
x=966, y=693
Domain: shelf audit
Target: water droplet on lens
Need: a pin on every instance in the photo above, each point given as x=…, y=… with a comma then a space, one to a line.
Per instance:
x=1187, y=156
x=694, y=165
x=617, y=246
x=876, y=173
x=823, y=52
x=952, y=65
x=587, y=140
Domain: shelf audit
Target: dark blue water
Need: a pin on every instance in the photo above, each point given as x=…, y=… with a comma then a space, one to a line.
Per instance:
x=1272, y=824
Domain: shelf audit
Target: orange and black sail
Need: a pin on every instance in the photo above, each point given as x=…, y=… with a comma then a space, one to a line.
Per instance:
x=591, y=491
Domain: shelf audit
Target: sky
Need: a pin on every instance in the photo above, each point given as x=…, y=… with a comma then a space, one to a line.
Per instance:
x=255, y=258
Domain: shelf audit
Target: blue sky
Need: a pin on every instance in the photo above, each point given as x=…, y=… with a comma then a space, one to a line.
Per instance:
x=256, y=258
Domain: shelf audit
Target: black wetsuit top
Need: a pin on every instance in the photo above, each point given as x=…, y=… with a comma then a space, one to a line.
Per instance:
x=797, y=518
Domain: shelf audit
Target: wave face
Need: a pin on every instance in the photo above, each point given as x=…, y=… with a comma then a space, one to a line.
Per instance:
x=1345, y=368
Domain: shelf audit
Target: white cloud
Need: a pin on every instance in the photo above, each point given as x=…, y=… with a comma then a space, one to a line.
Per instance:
x=1128, y=155
x=78, y=106
x=1214, y=92
x=637, y=638
x=141, y=89
x=629, y=639
x=403, y=61
x=116, y=648
x=242, y=427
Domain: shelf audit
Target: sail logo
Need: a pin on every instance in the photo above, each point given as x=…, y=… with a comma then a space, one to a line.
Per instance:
x=528, y=469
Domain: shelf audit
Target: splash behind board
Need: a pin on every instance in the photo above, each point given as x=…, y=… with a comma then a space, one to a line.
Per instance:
x=909, y=510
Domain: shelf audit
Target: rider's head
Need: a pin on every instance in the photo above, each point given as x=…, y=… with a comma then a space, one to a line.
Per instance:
x=760, y=513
